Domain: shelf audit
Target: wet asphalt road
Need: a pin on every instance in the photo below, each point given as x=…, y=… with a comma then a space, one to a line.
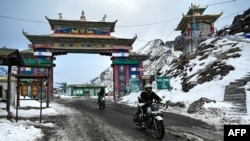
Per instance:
x=115, y=123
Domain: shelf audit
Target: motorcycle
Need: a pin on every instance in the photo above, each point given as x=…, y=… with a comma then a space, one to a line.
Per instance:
x=152, y=119
x=102, y=102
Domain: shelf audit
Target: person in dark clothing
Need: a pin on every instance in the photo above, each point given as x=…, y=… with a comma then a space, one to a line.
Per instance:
x=100, y=94
x=147, y=96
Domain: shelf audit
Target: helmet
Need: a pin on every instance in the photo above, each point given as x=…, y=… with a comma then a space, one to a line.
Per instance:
x=148, y=86
x=102, y=89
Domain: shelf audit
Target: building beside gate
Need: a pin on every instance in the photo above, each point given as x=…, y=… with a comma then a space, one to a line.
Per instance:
x=83, y=90
x=9, y=57
x=195, y=27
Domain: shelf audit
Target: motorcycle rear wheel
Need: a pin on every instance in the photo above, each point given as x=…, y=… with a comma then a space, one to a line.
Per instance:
x=102, y=105
x=159, y=129
x=136, y=117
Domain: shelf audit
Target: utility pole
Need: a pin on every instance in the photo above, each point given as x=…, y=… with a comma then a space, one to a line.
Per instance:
x=193, y=32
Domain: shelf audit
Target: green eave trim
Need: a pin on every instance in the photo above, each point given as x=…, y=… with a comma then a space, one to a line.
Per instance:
x=125, y=62
x=39, y=65
x=30, y=61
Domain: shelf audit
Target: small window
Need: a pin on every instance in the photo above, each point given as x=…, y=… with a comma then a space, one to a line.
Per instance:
x=133, y=76
x=133, y=69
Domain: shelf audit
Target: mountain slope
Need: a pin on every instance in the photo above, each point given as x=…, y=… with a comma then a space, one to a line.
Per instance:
x=209, y=62
x=160, y=55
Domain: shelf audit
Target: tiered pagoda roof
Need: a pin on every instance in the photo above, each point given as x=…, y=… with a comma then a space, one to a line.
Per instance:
x=77, y=35
x=71, y=38
x=201, y=18
x=196, y=9
x=196, y=12
x=80, y=23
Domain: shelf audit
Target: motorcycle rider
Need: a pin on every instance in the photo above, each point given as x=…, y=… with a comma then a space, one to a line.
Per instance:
x=147, y=96
x=100, y=94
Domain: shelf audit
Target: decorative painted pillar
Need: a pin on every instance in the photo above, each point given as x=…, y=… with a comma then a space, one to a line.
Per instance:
x=120, y=72
x=140, y=76
x=188, y=30
x=212, y=29
x=44, y=56
x=127, y=74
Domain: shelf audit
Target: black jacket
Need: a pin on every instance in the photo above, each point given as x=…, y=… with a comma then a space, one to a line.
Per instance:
x=101, y=93
x=146, y=97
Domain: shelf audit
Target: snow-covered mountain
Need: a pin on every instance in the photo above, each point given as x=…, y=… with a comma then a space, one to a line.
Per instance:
x=159, y=56
x=105, y=79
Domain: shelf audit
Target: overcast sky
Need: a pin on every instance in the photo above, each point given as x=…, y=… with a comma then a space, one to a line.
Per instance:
x=149, y=19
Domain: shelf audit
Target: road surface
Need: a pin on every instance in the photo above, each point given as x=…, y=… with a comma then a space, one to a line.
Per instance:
x=86, y=122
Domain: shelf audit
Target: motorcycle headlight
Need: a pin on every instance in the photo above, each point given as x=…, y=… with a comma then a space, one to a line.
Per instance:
x=160, y=114
x=156, y=107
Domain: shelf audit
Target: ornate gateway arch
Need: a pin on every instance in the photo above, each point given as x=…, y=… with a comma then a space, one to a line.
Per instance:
x=93, y=37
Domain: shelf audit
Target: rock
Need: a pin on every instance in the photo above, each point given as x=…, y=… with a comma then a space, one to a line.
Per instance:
x=175, y=104
x=197, y=105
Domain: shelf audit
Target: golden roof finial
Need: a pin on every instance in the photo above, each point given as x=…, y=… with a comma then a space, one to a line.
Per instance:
x=60, y=16
x=83, y=18
x=104, y=17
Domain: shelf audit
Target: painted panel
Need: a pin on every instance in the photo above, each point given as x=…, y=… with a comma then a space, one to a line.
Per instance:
x=122, y=68
x=134, y=84
x=81, y=45
x=135, y=73
x=125, y=62
x=39, y=45
x=122, y=93
x=31, y=61
x=115, y=69
x=26, y=70
x=38, y=53
x=120, y=54
x=83, y=31
x=122, y=77
x=41, y=70
x=122, y=85
x=127, y=74
x=123, y=47
x=122, y=80
x=41, y=49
